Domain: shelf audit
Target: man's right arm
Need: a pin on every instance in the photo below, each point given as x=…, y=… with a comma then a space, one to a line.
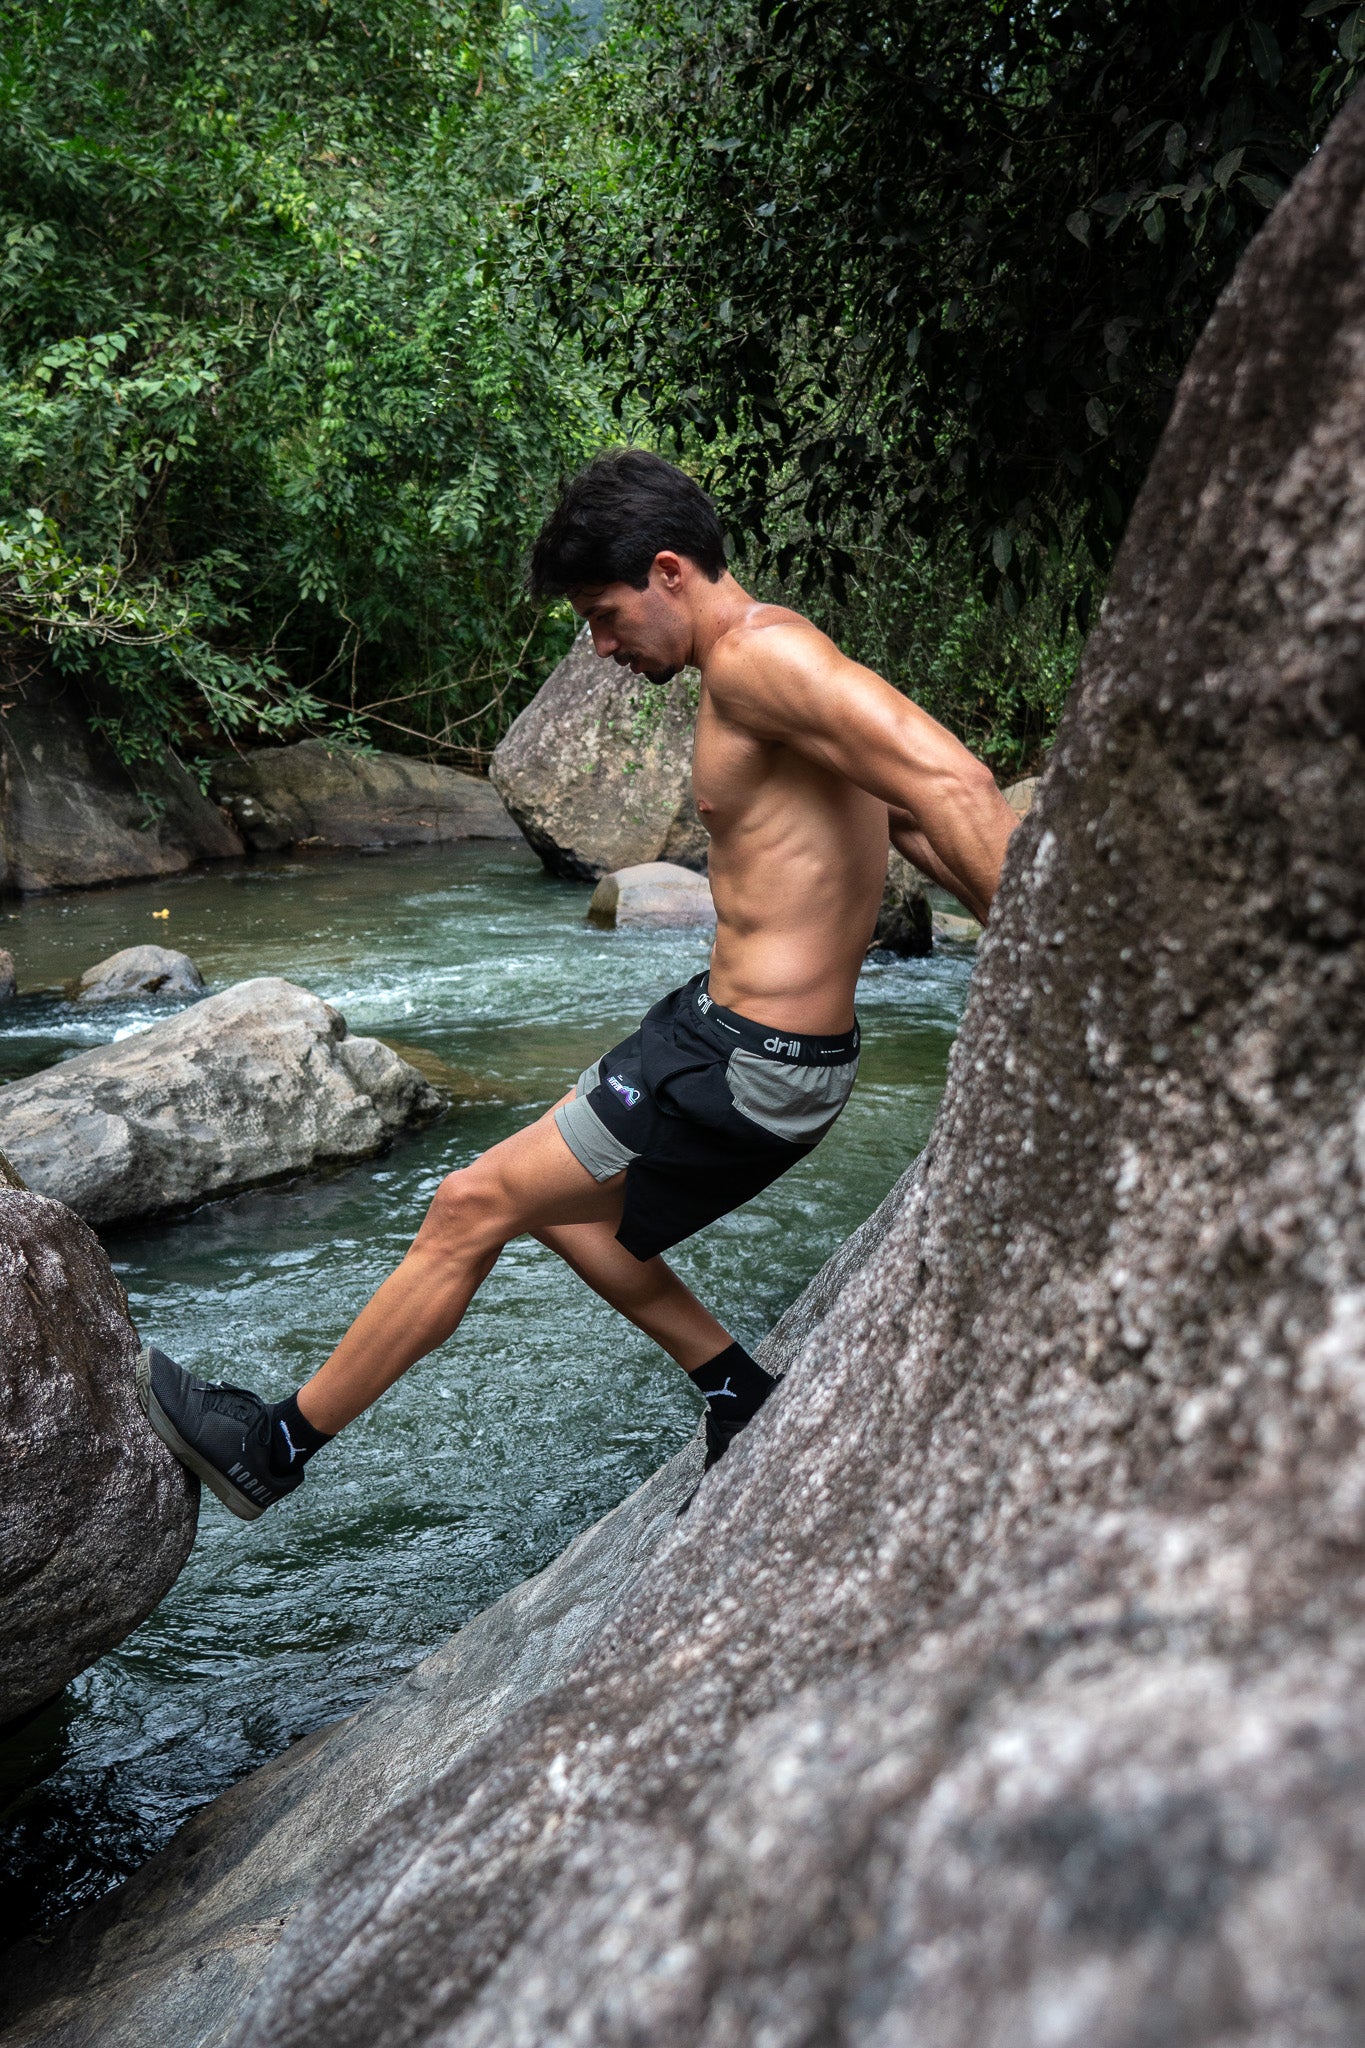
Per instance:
x=908, y=839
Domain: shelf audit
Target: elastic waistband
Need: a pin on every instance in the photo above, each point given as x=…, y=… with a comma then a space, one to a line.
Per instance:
x=800, y=1049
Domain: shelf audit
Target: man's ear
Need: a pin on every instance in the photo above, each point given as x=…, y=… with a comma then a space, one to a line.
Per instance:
x=669, y=569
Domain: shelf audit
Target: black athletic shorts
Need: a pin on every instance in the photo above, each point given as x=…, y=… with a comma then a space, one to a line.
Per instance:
x=703, y=1108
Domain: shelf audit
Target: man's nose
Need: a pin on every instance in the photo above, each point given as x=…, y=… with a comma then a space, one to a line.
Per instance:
x=604, y=641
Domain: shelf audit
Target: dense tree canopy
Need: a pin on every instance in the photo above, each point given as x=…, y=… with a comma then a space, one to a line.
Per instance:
x=273, y=432
x=933, y=270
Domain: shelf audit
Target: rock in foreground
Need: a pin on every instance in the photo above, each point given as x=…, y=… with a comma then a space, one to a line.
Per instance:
x=1003, y=1684
x=72, y=815
x=334, y=796
x=597, y=770
x=259, y=1081
x=96, y=1516
x=653, y=894
x=139, y=971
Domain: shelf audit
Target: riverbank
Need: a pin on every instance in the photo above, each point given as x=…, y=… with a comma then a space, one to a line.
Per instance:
x=484, y=1464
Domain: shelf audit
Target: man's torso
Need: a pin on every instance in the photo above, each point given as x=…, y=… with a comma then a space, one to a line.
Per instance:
x=797, y=866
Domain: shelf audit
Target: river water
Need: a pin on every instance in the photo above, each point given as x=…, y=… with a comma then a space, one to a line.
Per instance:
x=486, y=1459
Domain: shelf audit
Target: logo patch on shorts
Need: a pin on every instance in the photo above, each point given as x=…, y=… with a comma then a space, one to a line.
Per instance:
x=630, y=1096
x=779, y=1045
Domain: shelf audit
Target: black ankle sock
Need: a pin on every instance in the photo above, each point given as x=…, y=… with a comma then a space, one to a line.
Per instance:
x=293, y=1439
x=735, y=1387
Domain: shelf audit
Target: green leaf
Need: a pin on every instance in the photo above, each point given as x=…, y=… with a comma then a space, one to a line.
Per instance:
x=1097, y=417
x=1351, y=36
x=1265, y=51
x=1217, y=54
x=1225, y=167
x=1266, y=190
x=1078, y=224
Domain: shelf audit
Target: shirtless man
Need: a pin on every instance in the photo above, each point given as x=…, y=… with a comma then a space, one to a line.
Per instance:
x=803, y=762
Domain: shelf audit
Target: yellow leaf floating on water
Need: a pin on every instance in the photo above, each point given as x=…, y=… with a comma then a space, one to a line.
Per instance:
x=161, y=913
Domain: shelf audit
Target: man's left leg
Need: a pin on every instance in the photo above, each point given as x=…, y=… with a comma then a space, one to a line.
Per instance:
x=649, y=1294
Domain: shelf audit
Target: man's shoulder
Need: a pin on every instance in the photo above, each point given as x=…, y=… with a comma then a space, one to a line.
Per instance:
x=770, y=641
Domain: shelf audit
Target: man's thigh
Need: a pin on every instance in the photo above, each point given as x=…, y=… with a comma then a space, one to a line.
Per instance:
x=532, y=1180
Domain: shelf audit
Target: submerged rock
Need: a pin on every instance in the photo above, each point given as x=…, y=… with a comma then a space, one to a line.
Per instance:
x=335, y=796
x=597, y=770
x=72, y=815
x=138, y=971
x=259, y=1081
x=96, y=1516
x=656, y=893
x=9, y=987
x=1003, y=1683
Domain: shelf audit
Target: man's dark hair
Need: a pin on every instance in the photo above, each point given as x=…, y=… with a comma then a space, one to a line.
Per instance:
x=613, y=518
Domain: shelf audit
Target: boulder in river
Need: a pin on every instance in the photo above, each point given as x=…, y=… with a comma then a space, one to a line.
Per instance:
x=337, y=796
x=96, y=1516
x=9, y=986
x=1019, y=795
x=71, y=813
x=656, y=893
x=1003, y=1682
x=138, y=971
x=904, y=922
x=597, y=770
x=259, y=1081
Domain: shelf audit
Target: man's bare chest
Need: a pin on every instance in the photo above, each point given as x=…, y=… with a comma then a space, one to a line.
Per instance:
x=730, y=767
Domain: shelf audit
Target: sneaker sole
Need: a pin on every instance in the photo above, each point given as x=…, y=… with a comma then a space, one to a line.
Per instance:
x=217, y=1482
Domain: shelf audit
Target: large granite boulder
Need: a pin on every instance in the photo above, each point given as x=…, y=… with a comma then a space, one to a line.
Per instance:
x=335, y=796
x=139, y=971
x=1003, y=1684
x=260, y=1081
x=71, y=814
x=597, y=770
x=96, y=1516
x=9, y=987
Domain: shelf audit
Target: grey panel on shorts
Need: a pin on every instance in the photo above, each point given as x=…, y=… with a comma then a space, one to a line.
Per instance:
x=587, y=1137
x=797, y=1103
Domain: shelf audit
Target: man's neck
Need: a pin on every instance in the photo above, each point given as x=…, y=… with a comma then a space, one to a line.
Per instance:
x=716, y=609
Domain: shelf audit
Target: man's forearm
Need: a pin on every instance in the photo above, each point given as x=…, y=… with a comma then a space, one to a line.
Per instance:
x=962, y=848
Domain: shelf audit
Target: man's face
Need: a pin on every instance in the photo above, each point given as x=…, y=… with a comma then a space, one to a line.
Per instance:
x=646, y=630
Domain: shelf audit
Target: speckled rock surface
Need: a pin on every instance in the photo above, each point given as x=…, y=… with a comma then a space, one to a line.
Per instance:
x=258, y=1081
x=281, y=796
x=8, y=984
x=139, y=970
x=597, y=770
x=96, y=1516
x=1003, y=1684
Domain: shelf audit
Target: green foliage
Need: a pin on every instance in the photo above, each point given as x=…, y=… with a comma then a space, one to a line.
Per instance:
x=275, y=425
x=925, y=273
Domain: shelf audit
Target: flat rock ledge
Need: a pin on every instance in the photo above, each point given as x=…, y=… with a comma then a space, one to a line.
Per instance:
x=96, y=1516
x=260, y=1081
x=335, y=796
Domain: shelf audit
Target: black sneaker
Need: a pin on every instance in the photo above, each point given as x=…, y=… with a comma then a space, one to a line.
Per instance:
x=222, y=1433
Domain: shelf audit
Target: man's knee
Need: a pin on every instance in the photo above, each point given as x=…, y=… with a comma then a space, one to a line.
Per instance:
x=466, y=1211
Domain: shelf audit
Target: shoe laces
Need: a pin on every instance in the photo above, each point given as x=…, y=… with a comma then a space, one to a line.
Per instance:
x=236, y=1402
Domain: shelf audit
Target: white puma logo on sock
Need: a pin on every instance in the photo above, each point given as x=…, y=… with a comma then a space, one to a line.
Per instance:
x=726, y=1389
x=284, y=1432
